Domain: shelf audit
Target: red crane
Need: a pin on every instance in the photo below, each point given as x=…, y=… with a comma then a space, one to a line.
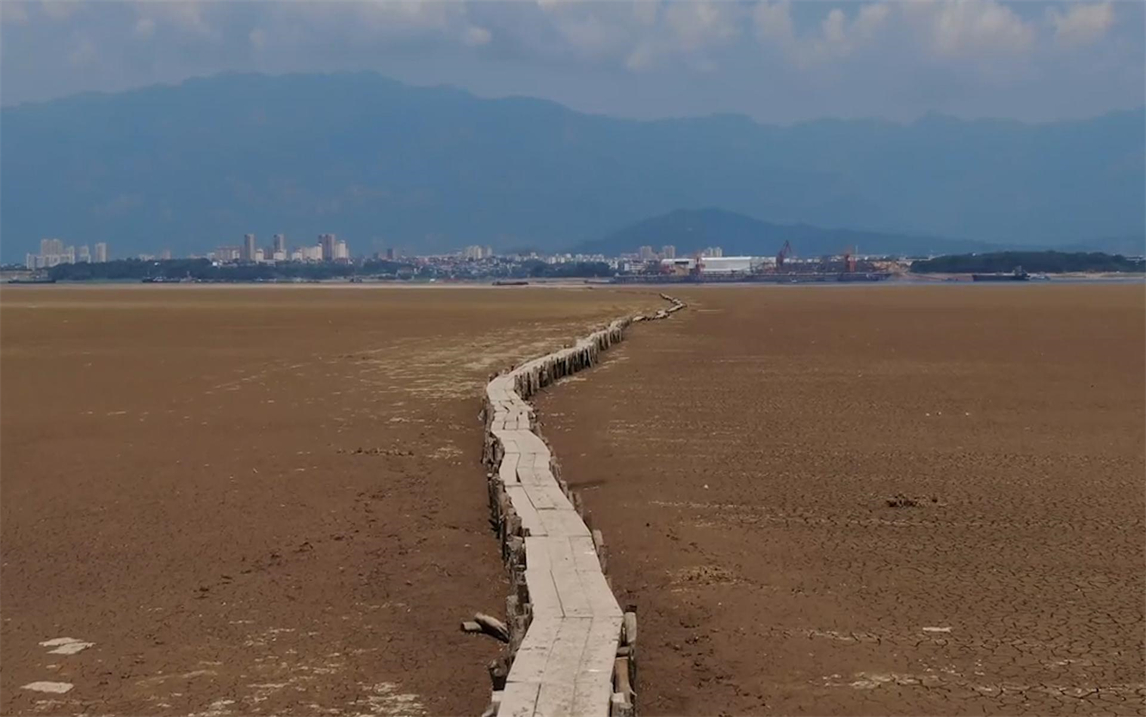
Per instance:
x=785, y=252
x=849, y=259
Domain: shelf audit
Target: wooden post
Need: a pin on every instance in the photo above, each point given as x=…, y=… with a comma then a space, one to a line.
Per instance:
x=498, y=671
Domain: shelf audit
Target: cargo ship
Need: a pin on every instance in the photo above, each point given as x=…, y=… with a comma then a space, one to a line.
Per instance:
x=33, y=280
x=1017, y=275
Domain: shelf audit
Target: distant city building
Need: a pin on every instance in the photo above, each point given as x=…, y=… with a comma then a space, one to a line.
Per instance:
x=279, y=256
x=52, y=253
x=259, y=254
x=477, y=253
x=48, y=247
x=668, y=251
x=279, y=244
x=327, y=243
x=165, y=254
x=311, y=253
x=227, y=253
x=101, y=252
x=390, y=253
x=84, y=255
x=712, y=251
x=248, y=248
x=341, y=251
x=645, y=253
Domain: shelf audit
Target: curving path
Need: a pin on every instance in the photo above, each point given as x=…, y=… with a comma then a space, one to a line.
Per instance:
x=572, y=650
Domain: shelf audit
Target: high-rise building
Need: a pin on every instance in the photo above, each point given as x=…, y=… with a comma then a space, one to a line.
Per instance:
x=668, y=251
x=101, y=252
x=279, y=244
x=227, y=253
x=390, y=253
x=84, y=255
x=341, y=251
x=327, y=242
x=49, y=247
x=248, y=248
x=645, y=253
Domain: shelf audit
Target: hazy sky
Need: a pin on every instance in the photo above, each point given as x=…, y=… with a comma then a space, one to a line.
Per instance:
x=776, y=61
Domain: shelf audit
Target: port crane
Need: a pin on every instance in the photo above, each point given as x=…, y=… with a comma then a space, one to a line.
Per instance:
x=785, y=252
x=850, y=259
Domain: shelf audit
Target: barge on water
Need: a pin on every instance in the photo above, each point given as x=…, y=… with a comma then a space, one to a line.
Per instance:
x=1017, y=275
x=33, y=280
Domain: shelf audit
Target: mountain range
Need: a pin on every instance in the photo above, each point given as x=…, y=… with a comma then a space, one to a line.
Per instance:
x=690, y=231
x=382, y=164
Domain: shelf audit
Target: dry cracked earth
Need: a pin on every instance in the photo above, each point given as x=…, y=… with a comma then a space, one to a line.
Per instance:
x=875, y=500
x=255, y=500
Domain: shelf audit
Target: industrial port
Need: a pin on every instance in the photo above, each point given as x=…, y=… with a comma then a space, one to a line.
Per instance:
x=783, y=268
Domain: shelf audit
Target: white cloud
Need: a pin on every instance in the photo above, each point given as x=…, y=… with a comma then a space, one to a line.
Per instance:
x=834, y=27
x=773, y=22
x=871, y=19
x=83, y=54
x=697, y=24
x=476, y=36
x=645, y=11
x=420, y=14
x=1083, y=23
x=144, y=27
x=837, y=37
x=591, y=37
x=972, y=27
x=641, y=58
x=185, y=15
x=13, y=12
x=59, y=9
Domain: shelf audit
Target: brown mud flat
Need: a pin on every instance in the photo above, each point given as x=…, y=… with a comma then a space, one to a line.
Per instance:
x=741, y=460
x=256, y=500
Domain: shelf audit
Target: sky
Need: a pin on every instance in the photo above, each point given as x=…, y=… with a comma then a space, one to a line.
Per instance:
x=774, y=60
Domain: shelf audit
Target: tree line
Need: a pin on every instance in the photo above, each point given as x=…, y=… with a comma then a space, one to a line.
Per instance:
x=1043, y=262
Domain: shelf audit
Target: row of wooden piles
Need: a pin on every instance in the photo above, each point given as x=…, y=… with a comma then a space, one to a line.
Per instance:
x=572, y=650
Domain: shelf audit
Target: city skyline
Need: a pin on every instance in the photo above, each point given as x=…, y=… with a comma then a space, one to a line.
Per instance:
x=53, y=252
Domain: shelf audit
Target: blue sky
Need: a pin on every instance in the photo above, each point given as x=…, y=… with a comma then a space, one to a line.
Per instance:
x=775, y=61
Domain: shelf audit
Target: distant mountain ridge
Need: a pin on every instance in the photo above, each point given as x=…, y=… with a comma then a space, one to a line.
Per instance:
x=198, y=164
x=690, y=231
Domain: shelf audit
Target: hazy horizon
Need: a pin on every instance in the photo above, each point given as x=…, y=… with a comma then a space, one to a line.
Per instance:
x=904, y=121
